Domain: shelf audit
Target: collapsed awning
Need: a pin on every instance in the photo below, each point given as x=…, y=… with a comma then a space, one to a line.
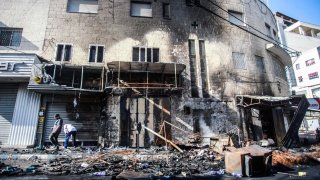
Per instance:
x=164, y=68
x=300, y=102
x=64, y=78
x=277, y=50
x=251, y=101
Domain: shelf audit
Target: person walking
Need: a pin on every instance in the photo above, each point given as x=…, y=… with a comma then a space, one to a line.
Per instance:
x=56, y=129
x=318, y=134
x=69, y=130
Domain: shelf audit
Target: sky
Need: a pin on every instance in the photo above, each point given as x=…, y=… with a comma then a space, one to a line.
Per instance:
x=303, y=10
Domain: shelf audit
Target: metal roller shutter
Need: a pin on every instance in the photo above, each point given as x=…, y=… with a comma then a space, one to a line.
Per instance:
x=8, y=95
x=86, y=125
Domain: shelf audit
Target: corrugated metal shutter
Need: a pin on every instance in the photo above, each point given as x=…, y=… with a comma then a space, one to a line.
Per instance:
x=86, y=125
x=25, y=117
x=8, y=95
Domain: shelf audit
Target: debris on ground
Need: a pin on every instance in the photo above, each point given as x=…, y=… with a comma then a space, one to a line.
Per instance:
x=157, y=162
x=248, y=161
x=288, y=159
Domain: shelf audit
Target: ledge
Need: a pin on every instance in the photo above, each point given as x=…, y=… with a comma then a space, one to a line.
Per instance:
x=277, y=50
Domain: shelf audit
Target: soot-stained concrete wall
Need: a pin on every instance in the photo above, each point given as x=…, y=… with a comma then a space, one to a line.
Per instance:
x=119, y=32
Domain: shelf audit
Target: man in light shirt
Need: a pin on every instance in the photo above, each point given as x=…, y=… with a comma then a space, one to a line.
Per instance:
x=69, y=130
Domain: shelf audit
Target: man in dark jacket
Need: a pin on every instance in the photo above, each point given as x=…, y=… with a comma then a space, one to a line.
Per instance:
x=56, y=129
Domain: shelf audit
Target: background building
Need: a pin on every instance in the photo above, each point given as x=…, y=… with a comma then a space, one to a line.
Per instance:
x=305, y=39
x=22, y=32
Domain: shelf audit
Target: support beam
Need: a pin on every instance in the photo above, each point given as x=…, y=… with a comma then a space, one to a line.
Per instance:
x=81, y=77
x=159, y=106
x=163, y=138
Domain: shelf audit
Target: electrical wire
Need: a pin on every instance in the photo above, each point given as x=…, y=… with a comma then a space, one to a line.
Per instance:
x=242, y=22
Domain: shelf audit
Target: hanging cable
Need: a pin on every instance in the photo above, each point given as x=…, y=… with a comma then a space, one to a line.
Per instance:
x=201, y=6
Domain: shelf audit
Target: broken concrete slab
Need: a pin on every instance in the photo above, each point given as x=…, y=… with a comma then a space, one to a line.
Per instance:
x=248, y=161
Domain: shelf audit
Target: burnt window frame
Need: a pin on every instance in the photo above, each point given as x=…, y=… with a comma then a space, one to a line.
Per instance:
x=279, y=68
x=145, y=56
x=62, y=60
x=262, y=63
x=164, y=5
x=96, y=53
x=234, y=61
x=12, y=31
x=140, y=2
x=232, y=13
x=269, y=30
x=82, y=12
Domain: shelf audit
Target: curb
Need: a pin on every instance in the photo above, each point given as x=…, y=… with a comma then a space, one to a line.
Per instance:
x=39, y=156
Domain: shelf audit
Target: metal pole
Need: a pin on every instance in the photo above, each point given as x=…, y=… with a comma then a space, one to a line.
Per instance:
x=119, y=75
x=54, y=72
x=102, y=78
x=81, y=77
x=137, y=124
x=73, y=78
x=147, y=84
x=165, y=134
x=175, y=74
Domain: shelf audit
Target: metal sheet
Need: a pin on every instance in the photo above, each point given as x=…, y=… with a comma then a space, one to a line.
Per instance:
x=17, y=67
x=165, y=68
x=86, y=125
x=25, y=117
x=8, y=94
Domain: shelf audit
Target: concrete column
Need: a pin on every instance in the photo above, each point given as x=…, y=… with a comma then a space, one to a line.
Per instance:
x=301, y=31
x=312, y=33
x=279, y=125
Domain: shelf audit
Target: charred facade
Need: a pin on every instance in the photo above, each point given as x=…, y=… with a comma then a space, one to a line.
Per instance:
x=143, y=63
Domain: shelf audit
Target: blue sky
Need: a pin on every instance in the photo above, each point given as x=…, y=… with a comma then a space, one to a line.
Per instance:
x=303, y=10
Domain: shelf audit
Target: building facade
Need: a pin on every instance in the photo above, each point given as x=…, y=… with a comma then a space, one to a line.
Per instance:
x=304, y=38
x=115, y=67
x=22, y=32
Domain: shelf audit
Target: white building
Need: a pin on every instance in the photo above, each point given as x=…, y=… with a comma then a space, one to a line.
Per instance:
x=303, y=38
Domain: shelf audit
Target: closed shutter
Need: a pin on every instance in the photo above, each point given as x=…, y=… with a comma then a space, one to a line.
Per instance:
x=86, y=125
x=8, y=95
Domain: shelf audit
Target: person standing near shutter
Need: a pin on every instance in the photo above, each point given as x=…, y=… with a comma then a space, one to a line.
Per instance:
x=69, y=130
x=56, y=129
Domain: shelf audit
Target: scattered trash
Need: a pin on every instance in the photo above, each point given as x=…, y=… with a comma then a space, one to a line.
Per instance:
x=10, y=170
x=84, y=165
x=302, y=173
x=212, y=173
x=155, y=162
x=102, y=173
x=31, y=169
x=236, y=175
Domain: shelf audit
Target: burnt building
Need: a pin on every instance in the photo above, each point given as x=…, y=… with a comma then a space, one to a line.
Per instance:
x=112, y=68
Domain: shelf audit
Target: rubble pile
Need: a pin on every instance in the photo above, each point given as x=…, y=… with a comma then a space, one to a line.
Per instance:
x=291, y=157
x=155, y=162
x=288, y=159
x=9, y=170
x=314, y=153
x=196, y=161
x=112, y=162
